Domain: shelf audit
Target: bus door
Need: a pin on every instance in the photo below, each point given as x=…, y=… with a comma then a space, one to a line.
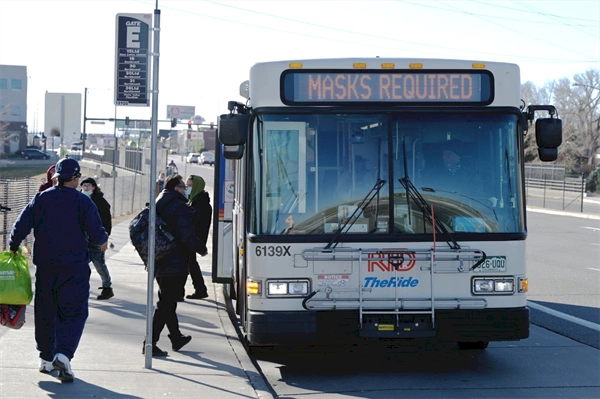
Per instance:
x=223, y=197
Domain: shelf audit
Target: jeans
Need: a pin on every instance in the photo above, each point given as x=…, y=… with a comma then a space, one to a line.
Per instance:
x=97, y=258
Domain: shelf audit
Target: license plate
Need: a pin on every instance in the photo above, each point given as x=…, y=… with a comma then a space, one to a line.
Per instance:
x=386, y=327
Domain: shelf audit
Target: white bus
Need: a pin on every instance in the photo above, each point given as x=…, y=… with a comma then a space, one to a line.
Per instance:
x=377, y=199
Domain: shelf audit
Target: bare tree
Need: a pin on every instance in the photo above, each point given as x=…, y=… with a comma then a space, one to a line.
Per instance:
x=585, y=100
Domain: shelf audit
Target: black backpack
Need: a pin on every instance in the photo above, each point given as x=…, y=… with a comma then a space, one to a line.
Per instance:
x=164, y=241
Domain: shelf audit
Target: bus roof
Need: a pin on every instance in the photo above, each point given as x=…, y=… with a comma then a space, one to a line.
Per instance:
x=264, y=87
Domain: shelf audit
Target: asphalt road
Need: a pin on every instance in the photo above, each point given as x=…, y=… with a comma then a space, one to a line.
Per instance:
x=563, y=260
x=207, y=172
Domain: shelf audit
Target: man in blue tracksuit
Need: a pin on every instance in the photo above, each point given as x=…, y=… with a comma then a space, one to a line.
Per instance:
x=63, y=221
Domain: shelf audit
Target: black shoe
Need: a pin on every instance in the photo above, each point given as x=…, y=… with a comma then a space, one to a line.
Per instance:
x=156, y=351
x=182, y=299
x=106, y=293
x=180, y=342
x=197, y=295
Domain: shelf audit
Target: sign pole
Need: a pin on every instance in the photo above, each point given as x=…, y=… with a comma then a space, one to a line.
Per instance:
x=132, y=71
x=152, y=193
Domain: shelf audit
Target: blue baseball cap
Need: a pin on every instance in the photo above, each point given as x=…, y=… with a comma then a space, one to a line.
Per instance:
x=67, y=168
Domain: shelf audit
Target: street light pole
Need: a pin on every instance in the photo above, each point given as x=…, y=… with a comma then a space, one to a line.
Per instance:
x=84, y=122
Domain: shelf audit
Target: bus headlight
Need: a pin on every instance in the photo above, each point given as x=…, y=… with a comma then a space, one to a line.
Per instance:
x=481, y=285
x=298, y=288
x=277, y=288
x=504, y=285
x=493, y=285
x=287, y=288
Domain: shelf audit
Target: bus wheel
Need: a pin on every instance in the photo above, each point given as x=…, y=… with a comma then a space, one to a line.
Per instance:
x=472, y=345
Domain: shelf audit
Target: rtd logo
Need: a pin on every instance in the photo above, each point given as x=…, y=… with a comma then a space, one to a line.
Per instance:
x=391, y=261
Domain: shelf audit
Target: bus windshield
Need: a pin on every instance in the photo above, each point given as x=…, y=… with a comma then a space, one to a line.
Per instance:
x=312, y=173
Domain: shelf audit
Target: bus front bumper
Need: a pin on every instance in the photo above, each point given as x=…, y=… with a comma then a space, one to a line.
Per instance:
x=342, y=327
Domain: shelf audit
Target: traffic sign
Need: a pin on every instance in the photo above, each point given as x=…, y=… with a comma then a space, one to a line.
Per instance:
x=132, y=60
x=181, y=112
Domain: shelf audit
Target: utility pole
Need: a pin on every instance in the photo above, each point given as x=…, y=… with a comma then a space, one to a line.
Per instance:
x=83, y=135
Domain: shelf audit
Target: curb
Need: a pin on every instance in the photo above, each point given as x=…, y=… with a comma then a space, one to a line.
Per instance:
x=258, y=381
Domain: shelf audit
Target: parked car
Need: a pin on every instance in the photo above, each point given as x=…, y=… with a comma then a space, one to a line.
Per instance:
x=207, y=158
x=192, y=157
x=32, y=153
x=173, y=152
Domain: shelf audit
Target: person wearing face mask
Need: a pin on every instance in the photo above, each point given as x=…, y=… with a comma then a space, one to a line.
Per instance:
x=91, y=189
x=199, y=204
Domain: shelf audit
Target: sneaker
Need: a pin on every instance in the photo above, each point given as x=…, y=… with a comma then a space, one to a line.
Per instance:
x=106, y=293
x=197, y=295
x=156, y=351
x=46, y=366
x=180, y=342
x=62, y=364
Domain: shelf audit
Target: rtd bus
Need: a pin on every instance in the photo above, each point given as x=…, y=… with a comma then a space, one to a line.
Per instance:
x=377, y=198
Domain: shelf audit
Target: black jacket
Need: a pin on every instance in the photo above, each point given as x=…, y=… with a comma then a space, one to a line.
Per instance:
x=172, y=207
x=202, y=215
x=104, y=210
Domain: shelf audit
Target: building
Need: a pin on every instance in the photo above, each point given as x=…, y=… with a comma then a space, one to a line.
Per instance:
x=13, y=108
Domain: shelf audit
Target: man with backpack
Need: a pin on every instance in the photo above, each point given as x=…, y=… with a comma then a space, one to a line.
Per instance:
x=199, y=204
x=171, y=271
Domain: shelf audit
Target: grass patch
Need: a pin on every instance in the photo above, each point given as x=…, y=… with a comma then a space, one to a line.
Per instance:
x=19, y=172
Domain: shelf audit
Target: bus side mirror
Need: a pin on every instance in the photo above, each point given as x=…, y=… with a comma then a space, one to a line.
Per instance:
x=233, y=151
x=233, y=129
x=548, y=136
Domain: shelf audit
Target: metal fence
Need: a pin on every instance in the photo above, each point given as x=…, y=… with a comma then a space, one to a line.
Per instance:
x=548, y=186
x=125, y=194
x=15, y=194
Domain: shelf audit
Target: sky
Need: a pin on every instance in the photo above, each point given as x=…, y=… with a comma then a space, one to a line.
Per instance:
x=207, y=47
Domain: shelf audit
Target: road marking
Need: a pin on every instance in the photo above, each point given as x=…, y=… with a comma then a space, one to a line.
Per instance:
x=572, y=319
x=591, y=268
x=563, y=213
x=591, y=228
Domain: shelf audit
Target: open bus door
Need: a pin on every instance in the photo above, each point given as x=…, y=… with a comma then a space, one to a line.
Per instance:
x=231, y=134
x=222, y=267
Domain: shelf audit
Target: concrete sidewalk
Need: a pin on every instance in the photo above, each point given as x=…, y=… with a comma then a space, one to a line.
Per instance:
x=109, y=362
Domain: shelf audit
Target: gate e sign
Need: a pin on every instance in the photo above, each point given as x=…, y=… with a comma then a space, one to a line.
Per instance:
x=132, y=59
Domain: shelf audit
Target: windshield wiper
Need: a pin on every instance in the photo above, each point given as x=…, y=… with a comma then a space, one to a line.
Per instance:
x=425, y=208
x=354, y=216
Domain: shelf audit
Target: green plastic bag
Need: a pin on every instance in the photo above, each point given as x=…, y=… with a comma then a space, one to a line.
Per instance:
x=15, y=280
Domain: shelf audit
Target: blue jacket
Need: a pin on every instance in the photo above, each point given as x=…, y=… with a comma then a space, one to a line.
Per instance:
x=179, y=222
x=63, y=221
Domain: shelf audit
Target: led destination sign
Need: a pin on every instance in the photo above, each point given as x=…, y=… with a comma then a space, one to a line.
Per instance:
x=334, y=87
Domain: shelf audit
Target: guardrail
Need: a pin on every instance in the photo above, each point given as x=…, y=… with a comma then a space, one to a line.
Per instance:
x=567, y=193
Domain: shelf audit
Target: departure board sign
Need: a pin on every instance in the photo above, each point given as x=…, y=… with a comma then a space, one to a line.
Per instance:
x=132, y=60
x=327, y=87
